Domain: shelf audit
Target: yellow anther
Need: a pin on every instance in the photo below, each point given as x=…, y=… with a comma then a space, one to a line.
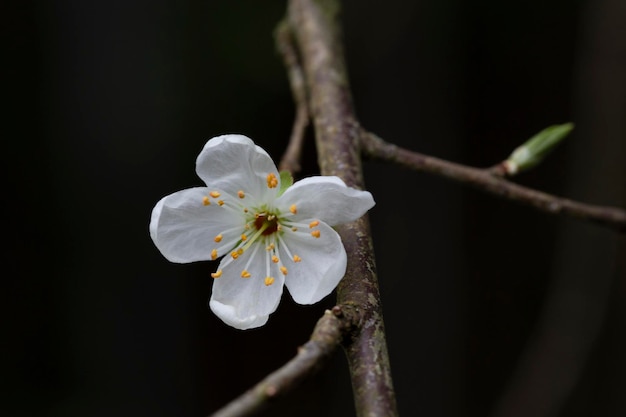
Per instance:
x=314, y=223
x=245, y=210
x=214, y=254
x=278, y=227
x=216, y=274
x=245, y=274
x=247, y=227
x=221, y=202
x=295, y=229
x=205, y=201
x=241, y=194
x=270, y=247
x=315, y=233
x=243, y=237
x=283, y=270
x=275, y=259
x=235, y=254
x=272, y=181
x=269, y=280
x=218, y=238
x=214, y=194
x=296, y=258
x=293, y=209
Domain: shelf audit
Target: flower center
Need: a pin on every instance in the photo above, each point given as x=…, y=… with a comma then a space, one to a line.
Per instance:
x=267, y=222
x=265, y=230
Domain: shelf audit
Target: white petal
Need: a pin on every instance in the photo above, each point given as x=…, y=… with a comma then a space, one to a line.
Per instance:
x=245, y=303
x=326, y=198
x=183, y=229
x=229, y=316
x=322, y=267
x=233, y=163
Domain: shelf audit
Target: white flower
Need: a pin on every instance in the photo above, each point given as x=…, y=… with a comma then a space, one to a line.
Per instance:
x=269, y=231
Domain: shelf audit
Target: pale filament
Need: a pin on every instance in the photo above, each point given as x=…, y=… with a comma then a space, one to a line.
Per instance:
x=284, y=246
x=252, y=256
x=267, y=266
x=230, y=243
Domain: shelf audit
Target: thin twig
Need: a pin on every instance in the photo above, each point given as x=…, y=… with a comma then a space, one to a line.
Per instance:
x=285, y=45
x=326, y=337
x=484, y=179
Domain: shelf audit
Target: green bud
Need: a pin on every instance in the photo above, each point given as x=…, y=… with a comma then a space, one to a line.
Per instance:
x=536, y=148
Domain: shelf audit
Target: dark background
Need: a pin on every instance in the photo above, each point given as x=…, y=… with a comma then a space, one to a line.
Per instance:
x=491, y=308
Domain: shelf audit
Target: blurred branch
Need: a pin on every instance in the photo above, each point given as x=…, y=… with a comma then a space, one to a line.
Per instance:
x=310, y=358
x=287, y=49
x=489, y=181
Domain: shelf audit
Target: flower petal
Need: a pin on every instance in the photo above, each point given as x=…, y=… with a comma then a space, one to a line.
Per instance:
x=184, y=229
x=326, y=198
x=233, y=163
x=322, y=266
x=245, y=303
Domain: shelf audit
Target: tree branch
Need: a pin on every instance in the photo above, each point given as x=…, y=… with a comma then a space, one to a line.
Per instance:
x=310, y=358
x=337, y=132
x=489, y=181
x=356, y=322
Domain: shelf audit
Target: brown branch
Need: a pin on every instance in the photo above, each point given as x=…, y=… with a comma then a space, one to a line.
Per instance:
x=285, y=45
x=487, y=180
x=310, y=358
x=337, y=131
x=356, y=321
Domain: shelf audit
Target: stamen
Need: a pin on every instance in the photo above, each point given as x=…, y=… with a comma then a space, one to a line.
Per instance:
x=240, y=194
x=283, y=246
x=220, y=202
x=270, y=247
x=293, y=209
x=252, y=257
x=275, y=259
x=272, y=181
x=205, y=201
x=230, y=240
x=243, y=238
x=315, y=233
x=218, y=238
x=214, y=194
x=214, y=254
x=236, y=253
x=295, y=229
x=245, y=274
x=313, y=224
x=283, y=270
x=267, y=270
x=269, y=281
x=216, y=274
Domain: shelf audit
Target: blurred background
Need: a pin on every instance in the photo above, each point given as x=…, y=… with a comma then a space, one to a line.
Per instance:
x=491, y=308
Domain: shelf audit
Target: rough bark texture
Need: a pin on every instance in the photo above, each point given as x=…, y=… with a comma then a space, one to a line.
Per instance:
x=337, y=138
